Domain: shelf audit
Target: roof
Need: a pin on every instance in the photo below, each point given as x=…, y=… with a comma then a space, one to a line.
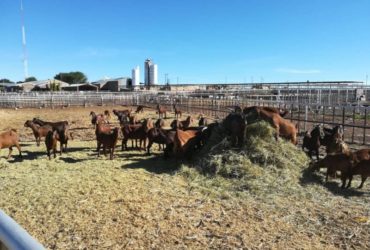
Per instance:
x=73, y=86
x=43, y=83
x=102, y=82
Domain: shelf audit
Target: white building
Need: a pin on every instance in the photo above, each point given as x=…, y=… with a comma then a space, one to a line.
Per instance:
x=153, y=72
x=135, y=74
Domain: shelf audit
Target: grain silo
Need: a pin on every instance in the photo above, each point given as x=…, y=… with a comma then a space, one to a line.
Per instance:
x=136, y=77
x=153, y=74
x=147, y=65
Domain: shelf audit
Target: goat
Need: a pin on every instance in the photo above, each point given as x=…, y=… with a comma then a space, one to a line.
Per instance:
x=178, y=112
x=139, y=109
x=9, y=139
x=62, y=129
x=311, y=141
x=162, y=111
x=107, y=140
x=362, y=168
x=51, y=140
x=38, y=131
x=159, y=123
x=334, y=163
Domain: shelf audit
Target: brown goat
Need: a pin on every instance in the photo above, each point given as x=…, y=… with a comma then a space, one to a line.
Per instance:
x=278, y=111
x=95, y=119
x=362, y=168
x=178, y=112
x=107, y=140
x=360, y=155
x=136, y=132
x=139, y=109
x=159, y=123
x=101, y=128
x=61, y=127
x=185, y=124
x=162, y=111
x=334, y=163
x=9, y=139
x=38, y=131
x=51, y=141
x=234, y=125
x=133, y=119
x=284, y=128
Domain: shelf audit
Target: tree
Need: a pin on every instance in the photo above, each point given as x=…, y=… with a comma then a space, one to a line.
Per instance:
x=54, y=86
x=71, y=77
x=30, y=79
x=4, y=80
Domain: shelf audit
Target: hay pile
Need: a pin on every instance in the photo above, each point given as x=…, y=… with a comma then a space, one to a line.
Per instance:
x=262, y=166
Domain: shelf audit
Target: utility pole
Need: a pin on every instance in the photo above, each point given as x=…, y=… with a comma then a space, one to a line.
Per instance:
x=165, y=78
x=25, y=57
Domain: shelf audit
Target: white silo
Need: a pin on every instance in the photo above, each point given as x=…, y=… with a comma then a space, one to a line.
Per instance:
x=147, y=65
x=153, y=72
x=135, y=77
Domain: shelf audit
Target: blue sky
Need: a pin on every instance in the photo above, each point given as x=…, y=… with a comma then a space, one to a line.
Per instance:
x=193, y=41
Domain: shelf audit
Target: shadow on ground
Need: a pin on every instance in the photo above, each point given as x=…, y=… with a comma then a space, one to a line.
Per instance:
x=311, y=177
x=155, y=164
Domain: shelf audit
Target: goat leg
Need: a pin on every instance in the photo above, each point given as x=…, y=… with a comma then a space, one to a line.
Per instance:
x=350, y=176
x=19, y=149
x=98, y=148
x=112, y=153
x=10, y=152
x=363, y=179
x=344, y=178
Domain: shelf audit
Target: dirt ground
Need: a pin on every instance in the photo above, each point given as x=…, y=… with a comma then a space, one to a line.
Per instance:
x=80, y=201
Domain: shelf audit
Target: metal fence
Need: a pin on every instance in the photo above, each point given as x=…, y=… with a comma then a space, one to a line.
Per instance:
x=354, y=119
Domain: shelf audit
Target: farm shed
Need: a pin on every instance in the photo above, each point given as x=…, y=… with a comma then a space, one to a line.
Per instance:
x=43, y=85
x=9, y=87
x=81, y=87
x=114, y=85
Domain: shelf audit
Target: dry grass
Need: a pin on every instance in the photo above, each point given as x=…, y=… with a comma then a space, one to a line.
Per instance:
x=79, y=201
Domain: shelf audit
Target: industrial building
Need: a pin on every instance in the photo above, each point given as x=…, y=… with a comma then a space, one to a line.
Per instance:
x=114, y=85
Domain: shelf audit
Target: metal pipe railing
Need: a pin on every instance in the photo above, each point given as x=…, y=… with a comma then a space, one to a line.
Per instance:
x=14, y=237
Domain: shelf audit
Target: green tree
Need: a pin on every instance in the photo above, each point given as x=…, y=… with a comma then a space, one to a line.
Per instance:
x=4, y=80
x=54, y=86
x=71, y=77
x=30, y=79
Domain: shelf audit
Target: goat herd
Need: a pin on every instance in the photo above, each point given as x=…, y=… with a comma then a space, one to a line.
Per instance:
x=182, y=139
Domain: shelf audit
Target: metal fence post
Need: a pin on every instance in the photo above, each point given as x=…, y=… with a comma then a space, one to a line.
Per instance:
x=365, y=123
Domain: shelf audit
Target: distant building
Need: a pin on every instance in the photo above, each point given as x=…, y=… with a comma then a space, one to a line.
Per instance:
x=114, y=85
x=150, y=73
x=43, y=85
x=81, y=87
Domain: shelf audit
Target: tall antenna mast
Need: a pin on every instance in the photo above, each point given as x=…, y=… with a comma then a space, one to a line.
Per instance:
x=25, y=57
